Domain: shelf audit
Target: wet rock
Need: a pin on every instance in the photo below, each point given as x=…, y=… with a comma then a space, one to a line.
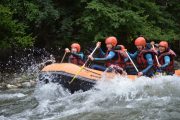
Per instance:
x=177, y=64
x=9, y=86
x=26, y=84
x=33, y=83
x=19, y=85
x=17, y=79
x=3, y=85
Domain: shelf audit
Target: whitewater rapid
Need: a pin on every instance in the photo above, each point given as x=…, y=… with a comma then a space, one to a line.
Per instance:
x=119, y=98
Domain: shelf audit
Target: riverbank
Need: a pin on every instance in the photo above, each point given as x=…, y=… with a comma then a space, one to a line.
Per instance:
x=15, y=81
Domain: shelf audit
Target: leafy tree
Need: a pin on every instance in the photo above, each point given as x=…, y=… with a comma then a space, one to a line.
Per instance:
x=128, y=19
x=12, y=33
x=55, y=23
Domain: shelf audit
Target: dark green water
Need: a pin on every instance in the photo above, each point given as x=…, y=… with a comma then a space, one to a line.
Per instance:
x=120, y=99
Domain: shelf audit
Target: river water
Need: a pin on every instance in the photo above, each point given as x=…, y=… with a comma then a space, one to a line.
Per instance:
x=118, y=99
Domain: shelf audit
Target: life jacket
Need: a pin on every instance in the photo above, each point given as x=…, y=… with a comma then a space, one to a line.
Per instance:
x=141, y=60
x=170, y=67
x=75, y=60
x=123, y=56
x=116, y=60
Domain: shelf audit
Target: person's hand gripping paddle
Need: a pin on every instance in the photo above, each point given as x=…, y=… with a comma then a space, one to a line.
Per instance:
x=131, y=60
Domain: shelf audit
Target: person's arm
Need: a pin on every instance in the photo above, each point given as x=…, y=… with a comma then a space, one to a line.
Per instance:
x=133, y=56
x=167, y=62
x=80, y=55
x=126, y=59
x=101, y=52
x=149, y=62
x=109, y=57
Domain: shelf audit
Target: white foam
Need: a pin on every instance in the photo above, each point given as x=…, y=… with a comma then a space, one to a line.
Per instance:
x=50, y=91
x=4, y=118
x=118, y=93
x=122, y=89
x=11, y=96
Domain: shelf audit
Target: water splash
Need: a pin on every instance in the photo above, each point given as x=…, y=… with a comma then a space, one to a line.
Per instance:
x=25, y=67
x=144, y=98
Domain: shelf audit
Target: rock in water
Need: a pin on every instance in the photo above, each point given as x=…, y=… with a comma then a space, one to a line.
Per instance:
x=26, y=84
x=33, y=83
x=9, y=86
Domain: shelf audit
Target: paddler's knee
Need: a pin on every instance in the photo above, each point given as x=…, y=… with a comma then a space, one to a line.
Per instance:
x=117, y=70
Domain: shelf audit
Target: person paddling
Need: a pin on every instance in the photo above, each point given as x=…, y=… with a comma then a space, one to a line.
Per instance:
x=166, y=58
x=120, y=49
x=145, y=57
x=154, y=45
x=110, y=57
x=75, y=57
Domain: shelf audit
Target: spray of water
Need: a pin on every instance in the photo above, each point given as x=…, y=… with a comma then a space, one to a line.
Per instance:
x=118, y=98
x=24, y=67
x=144, y=98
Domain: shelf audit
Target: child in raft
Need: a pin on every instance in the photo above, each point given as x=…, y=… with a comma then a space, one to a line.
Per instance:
x=75, y=57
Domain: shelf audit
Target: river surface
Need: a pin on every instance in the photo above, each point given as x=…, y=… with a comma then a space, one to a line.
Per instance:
x=118, y=99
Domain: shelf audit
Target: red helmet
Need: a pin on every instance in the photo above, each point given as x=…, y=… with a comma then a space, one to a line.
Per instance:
x=163, y=44
x=111, y=40
x=140, y=41
x=77, y=46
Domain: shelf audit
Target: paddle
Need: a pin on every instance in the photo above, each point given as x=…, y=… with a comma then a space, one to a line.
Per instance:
x=131, y=61
x=81, y=68
x=156, y=56
x=63, y=57
x=158, y=71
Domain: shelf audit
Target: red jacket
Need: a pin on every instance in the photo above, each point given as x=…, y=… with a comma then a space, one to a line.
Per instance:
x=75, y=60
x=141, y=61
x=171, y=54
x=118, y=59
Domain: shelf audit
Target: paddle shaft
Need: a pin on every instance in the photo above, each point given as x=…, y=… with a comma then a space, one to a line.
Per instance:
x=156, y=57
x=63, y=57
x=83, y=66
x=132, y=61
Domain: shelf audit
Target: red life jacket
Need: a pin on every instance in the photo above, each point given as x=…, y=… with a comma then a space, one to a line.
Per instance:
x=117, y=60
x=141, y=60
x=170, y=67
x=123, y=56
x=114, y=61
x=75, y=60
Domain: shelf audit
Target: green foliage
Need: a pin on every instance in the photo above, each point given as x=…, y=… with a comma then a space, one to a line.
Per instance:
x=12, y=33
x=53, y=23
x=132, y=18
